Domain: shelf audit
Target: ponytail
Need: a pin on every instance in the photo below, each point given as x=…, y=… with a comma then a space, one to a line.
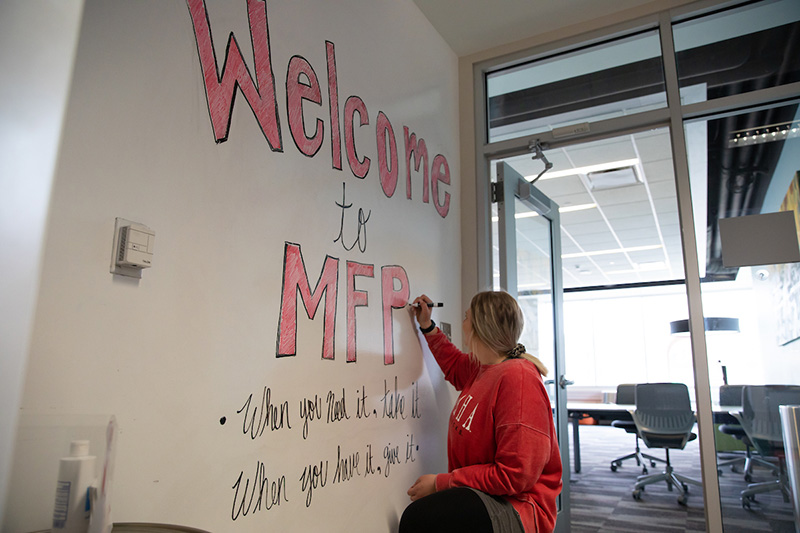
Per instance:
x=518, y=352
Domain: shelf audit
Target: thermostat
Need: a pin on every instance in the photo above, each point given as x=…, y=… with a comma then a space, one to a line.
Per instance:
x=133, y=248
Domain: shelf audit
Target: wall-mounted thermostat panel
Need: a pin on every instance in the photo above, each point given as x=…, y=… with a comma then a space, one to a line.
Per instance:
x=133, y=248
x=136, y=246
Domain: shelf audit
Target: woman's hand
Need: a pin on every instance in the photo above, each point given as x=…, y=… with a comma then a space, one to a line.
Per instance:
x=423, y=486
x=421, y=310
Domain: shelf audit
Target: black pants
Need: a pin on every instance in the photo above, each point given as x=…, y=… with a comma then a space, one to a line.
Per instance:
x=457, y=510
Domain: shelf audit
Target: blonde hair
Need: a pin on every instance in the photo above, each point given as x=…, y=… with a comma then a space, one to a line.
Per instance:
x=497, y=321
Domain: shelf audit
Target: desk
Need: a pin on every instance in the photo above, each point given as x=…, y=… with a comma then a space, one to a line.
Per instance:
x=608, y=412
x=602, y=412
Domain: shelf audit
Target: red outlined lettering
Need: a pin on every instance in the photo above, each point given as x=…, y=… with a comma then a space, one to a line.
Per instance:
x=355, y=298
x=420, y=153
x=295, y=278
x=296, y=92
x=354, y=105
x=333, y=104
x=221, y=88
x=440, y=172
x=384, y=133
x=392, y=299
x=302, y=84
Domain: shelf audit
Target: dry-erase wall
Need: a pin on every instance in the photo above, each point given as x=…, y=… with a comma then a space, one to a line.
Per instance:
x=298, y=164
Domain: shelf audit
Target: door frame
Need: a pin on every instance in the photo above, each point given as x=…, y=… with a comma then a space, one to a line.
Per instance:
x=511, y=185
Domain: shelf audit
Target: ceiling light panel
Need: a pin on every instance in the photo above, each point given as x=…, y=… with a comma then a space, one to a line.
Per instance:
x=613, y=178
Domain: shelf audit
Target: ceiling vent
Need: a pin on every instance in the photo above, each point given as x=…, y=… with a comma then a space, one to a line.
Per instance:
x=613, y=178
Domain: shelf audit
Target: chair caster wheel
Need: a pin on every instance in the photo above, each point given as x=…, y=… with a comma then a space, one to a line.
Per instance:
x=644, y=470
x=747, y=500
x=653, y=464
x=682, y=499
x=685, y=487
x=637, y=494
x=748, y=478
x=613, y=467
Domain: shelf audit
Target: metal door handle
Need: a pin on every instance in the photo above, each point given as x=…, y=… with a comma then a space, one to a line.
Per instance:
x=563, y=382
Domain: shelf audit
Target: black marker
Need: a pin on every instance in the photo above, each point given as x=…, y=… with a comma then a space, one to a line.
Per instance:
x=437, y=304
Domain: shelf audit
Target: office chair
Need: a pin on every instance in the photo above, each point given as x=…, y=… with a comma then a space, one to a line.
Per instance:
x=626, y=395
x=761, y=420
x=664, y=419
x=731, y=396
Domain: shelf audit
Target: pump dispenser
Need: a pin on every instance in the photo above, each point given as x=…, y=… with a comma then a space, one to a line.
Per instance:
x=75, y=476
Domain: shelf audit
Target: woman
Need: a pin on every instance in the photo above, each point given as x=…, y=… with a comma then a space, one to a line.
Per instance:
x=504, y=467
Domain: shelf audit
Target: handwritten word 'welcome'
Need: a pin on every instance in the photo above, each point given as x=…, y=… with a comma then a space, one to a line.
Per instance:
x=302, y=85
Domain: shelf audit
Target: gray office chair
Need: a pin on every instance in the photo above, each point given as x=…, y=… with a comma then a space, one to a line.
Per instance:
x=731, y=396
x=626, y=395
x=761, y=420
x=664, y=419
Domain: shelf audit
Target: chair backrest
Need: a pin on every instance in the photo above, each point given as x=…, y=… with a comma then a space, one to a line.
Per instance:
x=655, y=397
x=730, y=395
x=663, y=414
x=761, y=418
x=626, y=394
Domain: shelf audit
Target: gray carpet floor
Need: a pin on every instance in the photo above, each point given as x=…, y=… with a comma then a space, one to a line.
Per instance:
x=601, y=500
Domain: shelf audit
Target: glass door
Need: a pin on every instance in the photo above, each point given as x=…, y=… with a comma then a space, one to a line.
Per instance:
x=529, y=249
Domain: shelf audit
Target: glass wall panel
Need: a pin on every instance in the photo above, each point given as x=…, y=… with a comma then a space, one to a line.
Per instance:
x=622, y=262
x=739, y=50
x=745, y=182
x=619, y=211
x=608, y=80
x=625, y=305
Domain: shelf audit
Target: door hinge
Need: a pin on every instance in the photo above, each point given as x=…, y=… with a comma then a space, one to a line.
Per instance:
x=497, y=192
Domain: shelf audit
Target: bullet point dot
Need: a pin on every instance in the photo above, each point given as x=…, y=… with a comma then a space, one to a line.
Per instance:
x=222, y=421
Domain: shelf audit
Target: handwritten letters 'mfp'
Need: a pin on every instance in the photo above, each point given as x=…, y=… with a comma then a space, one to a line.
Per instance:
x=295, y=280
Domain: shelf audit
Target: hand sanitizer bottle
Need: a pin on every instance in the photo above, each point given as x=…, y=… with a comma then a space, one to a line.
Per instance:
x=75, y=476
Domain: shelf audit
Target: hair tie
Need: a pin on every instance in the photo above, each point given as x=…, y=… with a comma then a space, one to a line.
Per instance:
x=518, y=350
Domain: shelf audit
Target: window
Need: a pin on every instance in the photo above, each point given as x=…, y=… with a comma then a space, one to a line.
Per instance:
x=739, y=50
x=611, y=79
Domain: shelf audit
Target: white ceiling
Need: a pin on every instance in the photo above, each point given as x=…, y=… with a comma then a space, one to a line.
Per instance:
x=470, y=26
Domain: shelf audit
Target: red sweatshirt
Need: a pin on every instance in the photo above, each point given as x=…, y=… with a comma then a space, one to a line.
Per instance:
x=501, y=439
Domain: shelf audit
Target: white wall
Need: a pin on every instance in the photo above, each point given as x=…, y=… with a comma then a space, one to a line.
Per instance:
x=33, y=95
x=174, y=353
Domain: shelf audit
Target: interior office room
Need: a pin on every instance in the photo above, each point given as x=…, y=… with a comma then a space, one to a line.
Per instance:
x=629, y=172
